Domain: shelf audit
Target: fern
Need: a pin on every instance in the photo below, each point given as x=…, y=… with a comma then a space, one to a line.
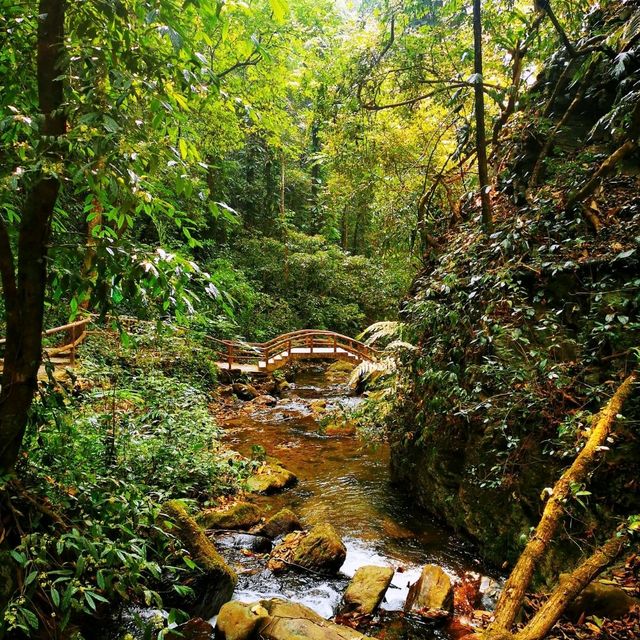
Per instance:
x=379, y=330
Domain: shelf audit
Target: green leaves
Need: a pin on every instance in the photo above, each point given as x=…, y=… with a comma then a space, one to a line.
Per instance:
x=280, y=9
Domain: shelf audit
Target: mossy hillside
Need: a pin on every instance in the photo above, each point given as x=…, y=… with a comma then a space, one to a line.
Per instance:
x=522, y=333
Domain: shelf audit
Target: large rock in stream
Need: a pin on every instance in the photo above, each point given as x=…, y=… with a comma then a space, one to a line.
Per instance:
x=270, y=477
x=432, y=594
x=285, y=521
x=320, y=550
x=366, y=590
x=278, y=619
x=214, y=586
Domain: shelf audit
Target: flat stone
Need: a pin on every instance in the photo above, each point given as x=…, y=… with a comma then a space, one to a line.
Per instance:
x=292, y=621
x=366, y=589
x=432, y=594
x=194, y=629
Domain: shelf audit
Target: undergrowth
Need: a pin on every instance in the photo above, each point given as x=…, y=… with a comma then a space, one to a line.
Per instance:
x=131, y=429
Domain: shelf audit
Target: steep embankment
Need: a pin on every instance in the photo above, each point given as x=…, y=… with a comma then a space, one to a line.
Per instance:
x=524, y=333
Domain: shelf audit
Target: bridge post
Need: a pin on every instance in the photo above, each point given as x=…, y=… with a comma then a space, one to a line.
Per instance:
x=311, y=344
x=229, y=355
x=335, y=343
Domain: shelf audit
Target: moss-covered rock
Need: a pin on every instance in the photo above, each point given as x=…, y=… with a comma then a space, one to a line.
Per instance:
x=285, y=521
x=245, y=391
x=270, y=477
x=321, y=549
x=603, y=600
x=215, y=585
x=240, y=621
x=366, y=589
x=238, y=515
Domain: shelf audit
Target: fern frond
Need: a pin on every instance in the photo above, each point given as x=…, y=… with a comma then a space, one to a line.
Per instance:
x=378, y=330
x=400, y=345
x=367, y=369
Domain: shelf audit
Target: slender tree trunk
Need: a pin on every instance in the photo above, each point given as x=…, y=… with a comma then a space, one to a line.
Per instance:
x=481, y=142
x=570, y=587
x=24, y=292
x=512, y=595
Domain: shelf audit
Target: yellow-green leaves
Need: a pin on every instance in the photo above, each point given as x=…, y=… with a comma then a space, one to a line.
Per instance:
x=280, y=9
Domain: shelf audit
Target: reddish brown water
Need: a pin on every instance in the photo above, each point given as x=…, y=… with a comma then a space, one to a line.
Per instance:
x=344, y=481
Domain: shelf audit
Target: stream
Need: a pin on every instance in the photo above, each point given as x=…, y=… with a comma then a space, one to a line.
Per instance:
x=343, y=481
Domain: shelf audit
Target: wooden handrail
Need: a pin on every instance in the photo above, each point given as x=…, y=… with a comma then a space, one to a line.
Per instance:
x=64, y=327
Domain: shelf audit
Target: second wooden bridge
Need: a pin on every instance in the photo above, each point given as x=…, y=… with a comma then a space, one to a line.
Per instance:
x=264, y=357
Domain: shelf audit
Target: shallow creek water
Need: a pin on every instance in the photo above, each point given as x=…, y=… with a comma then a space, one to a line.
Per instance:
x=344, y=481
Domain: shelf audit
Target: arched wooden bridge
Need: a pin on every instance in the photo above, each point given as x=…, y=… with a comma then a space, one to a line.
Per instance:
x=263, y=357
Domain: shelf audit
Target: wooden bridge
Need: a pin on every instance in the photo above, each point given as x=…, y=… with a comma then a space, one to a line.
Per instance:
x=264, y=357
x=232, y=355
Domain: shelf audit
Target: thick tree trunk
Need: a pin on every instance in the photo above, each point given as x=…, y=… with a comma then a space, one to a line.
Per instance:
x=512, y=596
x=481, y=142
x=24, y=298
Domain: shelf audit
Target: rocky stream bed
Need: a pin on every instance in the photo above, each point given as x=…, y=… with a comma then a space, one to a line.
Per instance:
x=361, y=546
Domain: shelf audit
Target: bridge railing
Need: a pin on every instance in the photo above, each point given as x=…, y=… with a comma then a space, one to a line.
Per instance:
x=75, y=333
x=313, y=342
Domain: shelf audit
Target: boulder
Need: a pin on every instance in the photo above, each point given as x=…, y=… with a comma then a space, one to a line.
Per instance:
x=245, y=391
x=240, y=621
x=285, y=521
x=602, y=600
x=432, y=594
x=292, y=621
x=215, y=584
x=490, y=590
x=321, y=550
x=366, y=589
x=270, y=387
x=270, y=477
x=238, y=515
x=194, y=629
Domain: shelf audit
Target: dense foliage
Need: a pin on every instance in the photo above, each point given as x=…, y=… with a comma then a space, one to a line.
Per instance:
x=243, y=169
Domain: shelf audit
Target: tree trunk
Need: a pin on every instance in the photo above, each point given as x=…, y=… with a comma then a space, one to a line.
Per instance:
x=570, y=587
x=24, y=298
x=481, y=142
x=512, y=596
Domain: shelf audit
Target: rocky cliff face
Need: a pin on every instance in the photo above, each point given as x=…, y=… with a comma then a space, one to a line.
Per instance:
x=523, y=335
